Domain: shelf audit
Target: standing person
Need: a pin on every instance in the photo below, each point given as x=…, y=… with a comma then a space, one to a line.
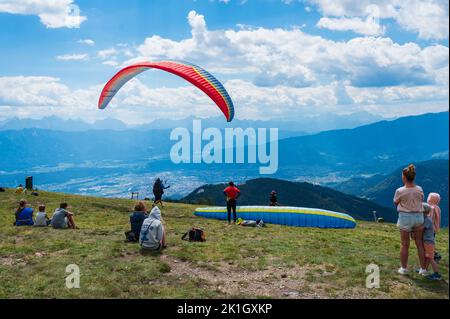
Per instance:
x=153, y=234
x=408, y=200
x=158, y=191
x=429, y=244
x=24, y=214
x=433, y=200
x=273, y=201
x=41, y=217
x=232, y=193
x=62, y=218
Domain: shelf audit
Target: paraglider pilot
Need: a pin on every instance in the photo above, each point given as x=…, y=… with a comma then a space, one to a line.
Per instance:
x=273, y=199
x=232, y=193
x=158, y=191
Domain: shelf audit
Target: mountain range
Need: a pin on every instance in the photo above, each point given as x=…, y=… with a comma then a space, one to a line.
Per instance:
x=375, y=148
x=84, y=160
x=303, y=126
x=432, y=176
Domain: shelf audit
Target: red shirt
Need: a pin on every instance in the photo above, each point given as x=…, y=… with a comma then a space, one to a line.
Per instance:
x=231, y=191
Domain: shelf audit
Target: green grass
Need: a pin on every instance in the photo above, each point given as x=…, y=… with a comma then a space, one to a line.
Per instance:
x=276, y=261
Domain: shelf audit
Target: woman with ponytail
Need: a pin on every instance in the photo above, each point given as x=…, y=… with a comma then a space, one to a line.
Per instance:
x=408, y=200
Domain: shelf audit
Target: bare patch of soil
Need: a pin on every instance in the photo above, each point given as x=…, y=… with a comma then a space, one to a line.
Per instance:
x=275, y=282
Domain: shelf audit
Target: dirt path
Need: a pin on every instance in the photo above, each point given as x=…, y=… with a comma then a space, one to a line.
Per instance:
x=227, y=278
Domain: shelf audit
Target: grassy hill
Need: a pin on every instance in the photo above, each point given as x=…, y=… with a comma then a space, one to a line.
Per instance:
x=431, y=175
x=256, y=192
x=277, y=261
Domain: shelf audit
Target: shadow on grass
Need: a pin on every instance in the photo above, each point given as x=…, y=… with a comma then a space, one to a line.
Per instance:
x=436, y=286
x=150, y=253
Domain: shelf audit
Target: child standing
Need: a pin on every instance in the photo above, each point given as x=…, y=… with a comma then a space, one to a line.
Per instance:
x=429, y=244
x=433, y=200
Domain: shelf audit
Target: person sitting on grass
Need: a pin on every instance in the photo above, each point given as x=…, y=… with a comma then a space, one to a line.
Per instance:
x=24, y=214
x=429, y=244
x=153, y=234
x=62, y=218
x=20, y=189
x=136, y=220
x=41, y=217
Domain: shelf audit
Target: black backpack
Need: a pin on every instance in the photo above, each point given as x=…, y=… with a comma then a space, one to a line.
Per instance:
x=195, y=234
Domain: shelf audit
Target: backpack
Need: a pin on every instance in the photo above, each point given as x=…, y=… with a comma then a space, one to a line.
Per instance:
x=130, y=237
x=195, y=234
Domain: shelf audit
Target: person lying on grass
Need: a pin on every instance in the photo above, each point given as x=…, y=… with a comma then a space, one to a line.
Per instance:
x=136, y=220
x=41, y=217
x=23, y=214
x=62, y=218
x=153, y=234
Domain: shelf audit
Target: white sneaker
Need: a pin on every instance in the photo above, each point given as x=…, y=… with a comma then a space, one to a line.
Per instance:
x=402, y=271
x=423, y=272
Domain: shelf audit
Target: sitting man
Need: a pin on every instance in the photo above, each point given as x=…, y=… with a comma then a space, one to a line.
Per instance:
x=153, y=236
x=136, y=220
x=62, y=218
x=24, y=214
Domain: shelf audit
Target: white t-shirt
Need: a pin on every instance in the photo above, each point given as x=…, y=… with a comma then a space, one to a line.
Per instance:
x=41, y=219
x=410, y=199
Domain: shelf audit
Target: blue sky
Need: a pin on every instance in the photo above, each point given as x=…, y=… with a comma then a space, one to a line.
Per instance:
x=278, y=59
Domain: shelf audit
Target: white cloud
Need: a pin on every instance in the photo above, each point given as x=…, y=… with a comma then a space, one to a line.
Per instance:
x=366, y=27
x=428, y=18
x=111, y=63
x=107, y=53
x=73, y=57
x=87, y=42
x=138, y=102
x=294, y=58
x=269, y=73
x=38, y=96
x=53, y=14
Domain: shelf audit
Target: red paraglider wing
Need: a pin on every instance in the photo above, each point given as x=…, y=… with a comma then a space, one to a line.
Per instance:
x=191, y=73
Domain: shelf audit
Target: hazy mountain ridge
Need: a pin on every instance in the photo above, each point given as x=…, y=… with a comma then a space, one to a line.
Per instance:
x=301, y=126
x=371, y=149
x=432, y=176
x=325, y=158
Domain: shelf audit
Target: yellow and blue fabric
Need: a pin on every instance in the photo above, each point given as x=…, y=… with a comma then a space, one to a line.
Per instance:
x=290, y=216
